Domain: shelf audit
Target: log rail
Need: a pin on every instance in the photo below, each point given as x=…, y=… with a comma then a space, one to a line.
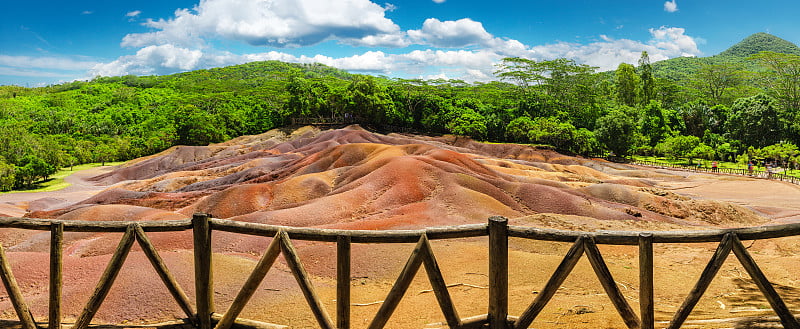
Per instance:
x=202, y=314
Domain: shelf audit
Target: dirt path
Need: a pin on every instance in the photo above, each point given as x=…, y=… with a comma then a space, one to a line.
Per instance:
x=779, y=201
x=80, y=188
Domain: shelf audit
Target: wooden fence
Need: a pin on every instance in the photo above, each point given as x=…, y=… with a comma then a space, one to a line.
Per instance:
x=338, y=120
x=730, y=171
x=202, y=313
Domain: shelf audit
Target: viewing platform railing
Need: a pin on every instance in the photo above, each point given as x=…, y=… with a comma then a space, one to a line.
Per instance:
x=201, y=313
x=730, y=171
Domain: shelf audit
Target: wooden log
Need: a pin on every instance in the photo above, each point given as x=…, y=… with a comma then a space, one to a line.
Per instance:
x=562, y=271
x=399, y=288
x=646, y=296
x=294, y=263
x=106, y=280
x=609, y=285
x=409, y=236
x=163, y=272
x=203, y=279
x=56, y=274
x=787, y=319
x=94, y=226
x=14, y=293
x=357, y=236
x=498, y=272
x=250, y=324
x=439, y=286
x=251, y=285
x=714, y=264
x=343, y=282
x=475, y=322
x=632, y=238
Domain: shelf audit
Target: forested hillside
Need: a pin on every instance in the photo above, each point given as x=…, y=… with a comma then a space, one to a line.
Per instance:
x=744, y=102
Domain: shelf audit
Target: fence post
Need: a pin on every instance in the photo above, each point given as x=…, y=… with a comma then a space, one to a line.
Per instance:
x=56, y=277
x=498, y=272
x=646, y=308
x=203, y=279
x=343, y=281
x=14, y=293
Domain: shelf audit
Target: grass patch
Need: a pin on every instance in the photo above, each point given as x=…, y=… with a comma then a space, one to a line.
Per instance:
x=56, y=181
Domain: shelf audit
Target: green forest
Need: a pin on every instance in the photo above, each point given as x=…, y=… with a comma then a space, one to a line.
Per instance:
x=741, y=105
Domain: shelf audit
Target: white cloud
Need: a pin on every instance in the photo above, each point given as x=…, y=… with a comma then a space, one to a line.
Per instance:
x=276, y=23
x=464, y=33
x=674, y=42
x=666, y=42
x=7, y=71
x=439, y=1
x=450, y=34
x=162, y=59
x=57, y=63
x=671, y=6
x=393, y=40
x=460, y=49
x=133, y=13
x=87, y=12
x=466, y=64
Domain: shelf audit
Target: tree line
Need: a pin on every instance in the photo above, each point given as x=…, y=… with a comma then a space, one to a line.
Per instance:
x=720, y=111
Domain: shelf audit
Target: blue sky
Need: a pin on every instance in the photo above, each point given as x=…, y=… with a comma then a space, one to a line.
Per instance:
x=45, y=42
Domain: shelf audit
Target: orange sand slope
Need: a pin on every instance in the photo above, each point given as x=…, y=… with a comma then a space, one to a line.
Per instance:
x=348, y=178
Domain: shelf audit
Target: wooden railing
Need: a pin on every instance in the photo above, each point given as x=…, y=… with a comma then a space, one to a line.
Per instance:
x=497, y=229
x=338, y=120
x=730, y=171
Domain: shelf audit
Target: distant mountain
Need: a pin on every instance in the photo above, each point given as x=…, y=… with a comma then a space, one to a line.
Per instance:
x=678, y=69
x=760, y=42
x=238, y=78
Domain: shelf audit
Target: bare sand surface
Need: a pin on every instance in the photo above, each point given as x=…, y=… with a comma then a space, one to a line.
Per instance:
x=80, y=188
x=354, y=179
x=778, y=201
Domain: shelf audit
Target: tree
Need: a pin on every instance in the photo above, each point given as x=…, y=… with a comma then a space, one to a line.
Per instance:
x=370, y=100
x=654, y=123
x=197, y=127
x=7, y=175
x=307, y=98
x=702, y=151
x=616, y=130
x=626, y=82
x=522, y=71
x=679, y=146
x=569, y=83
x=562, y=135
x=755, y=121
x=646, y=76
x=726, y=151
x=716, y=80
x=783, y=78
x=32, y=169
x=467, y=122
x=517, y=130
x=783, y=152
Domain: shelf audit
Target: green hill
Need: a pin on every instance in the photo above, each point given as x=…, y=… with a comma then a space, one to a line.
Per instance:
x=681, y=68
x=760, y=42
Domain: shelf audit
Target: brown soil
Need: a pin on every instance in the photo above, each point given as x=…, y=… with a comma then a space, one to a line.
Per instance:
x=354, y=179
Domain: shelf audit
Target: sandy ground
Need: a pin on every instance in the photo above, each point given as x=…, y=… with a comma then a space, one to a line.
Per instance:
x=580, y=303
x=778, y=201
x=377, y=186
x=17, y=204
